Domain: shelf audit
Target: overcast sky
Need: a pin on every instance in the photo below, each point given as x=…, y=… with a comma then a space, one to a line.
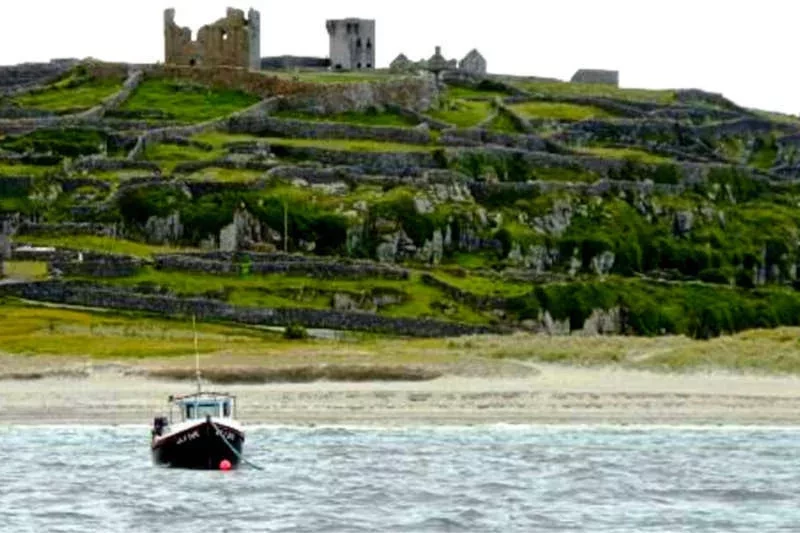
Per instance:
x=745, y=49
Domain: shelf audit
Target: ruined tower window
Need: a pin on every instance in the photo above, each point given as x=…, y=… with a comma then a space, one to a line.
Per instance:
x=369, y=44
x=369, y=65
x=192, y=62
x=359, y=65
x=338, y=66
x=358, y=43
x=224, y=35
x=349, y=28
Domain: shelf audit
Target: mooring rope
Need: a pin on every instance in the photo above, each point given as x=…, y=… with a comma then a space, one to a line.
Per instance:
x=234, y=450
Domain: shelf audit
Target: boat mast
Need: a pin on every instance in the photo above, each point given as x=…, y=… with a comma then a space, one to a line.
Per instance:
x=196, y=355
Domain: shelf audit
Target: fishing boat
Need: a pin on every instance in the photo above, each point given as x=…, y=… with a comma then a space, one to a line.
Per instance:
x=200, y=431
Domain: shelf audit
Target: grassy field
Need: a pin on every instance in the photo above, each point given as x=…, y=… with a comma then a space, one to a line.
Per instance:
x=463, y=113
x=185, y=102
x=348, y=145
x=78, y=335
x=307, y=292
x=226, y=175
x=467, y=92
x=61, y=97
x=503, y=123
x=607, y=91
x=632, y=154
x=98, y=244
x=169, y=155
x=25, y=270
x=27, y=170
x=559, y=111
x=374, y=118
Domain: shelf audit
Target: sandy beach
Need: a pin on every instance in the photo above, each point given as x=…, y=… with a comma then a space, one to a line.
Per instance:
x=548, y=394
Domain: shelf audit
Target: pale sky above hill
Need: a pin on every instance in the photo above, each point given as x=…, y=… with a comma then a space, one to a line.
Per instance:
x=744, y=49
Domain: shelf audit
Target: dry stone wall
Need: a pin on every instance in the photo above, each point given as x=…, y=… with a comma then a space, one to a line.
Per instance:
x=278, y=264
x=269, y=126
x=108, y=298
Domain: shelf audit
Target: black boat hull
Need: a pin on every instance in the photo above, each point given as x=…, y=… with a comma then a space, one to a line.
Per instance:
x=199, y=448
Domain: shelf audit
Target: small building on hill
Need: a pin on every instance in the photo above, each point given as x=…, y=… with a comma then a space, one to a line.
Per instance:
x=402, y=64
x=596, y=76
x=474, y=63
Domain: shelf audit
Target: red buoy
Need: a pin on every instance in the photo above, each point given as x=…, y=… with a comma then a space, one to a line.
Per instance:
x=225, y=465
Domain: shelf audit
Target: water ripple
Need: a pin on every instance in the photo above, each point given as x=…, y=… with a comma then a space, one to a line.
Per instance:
x=504, y=478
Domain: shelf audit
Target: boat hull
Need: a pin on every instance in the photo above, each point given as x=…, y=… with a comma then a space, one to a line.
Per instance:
x=198, y=447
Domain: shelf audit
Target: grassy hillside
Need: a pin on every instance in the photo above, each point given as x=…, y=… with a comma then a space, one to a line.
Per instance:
x=536, y=206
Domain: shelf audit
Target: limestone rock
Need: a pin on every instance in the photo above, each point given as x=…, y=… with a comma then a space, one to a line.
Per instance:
x=603, y=263
x=683, y=222
x=344, y=302
x=164, y=230
x=423, y=206
x=603, y=322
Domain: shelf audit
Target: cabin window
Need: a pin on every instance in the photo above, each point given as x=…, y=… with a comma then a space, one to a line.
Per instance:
x=202, y=410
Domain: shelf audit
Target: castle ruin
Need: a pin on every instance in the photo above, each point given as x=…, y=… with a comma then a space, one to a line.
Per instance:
x=352, y=44
x=233, y=41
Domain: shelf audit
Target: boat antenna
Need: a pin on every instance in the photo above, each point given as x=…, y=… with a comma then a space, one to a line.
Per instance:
x=196, y=355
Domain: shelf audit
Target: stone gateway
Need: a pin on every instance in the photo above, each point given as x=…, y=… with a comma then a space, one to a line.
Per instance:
x=233, y=41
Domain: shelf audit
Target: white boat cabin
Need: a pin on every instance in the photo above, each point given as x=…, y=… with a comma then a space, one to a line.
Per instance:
x=203, y=405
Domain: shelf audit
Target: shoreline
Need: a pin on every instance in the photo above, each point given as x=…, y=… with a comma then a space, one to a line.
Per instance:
x=555, y=395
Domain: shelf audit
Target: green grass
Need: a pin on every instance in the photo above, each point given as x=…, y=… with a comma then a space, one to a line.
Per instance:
x=35, y=171
x=218, y=139
x=62, y=97
x=375, y=118
x=25, y=270
x=62, y=337
x=274, y=291
x=28, y=330
x=458, y=92
x=581, y=89
x=99, y=244
x=502, y=123
x=187, y=102
x=632, y=154
x=463, y=113
x=484, y=286
x=170, y=155
x=348, y=145
x=559, y=111
x=226, y=175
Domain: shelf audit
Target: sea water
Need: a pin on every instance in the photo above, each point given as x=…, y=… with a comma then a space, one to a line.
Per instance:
x=482, y=478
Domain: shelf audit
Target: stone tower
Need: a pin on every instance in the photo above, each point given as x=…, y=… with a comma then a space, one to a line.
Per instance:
x=233, y=41
x=352, y=44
